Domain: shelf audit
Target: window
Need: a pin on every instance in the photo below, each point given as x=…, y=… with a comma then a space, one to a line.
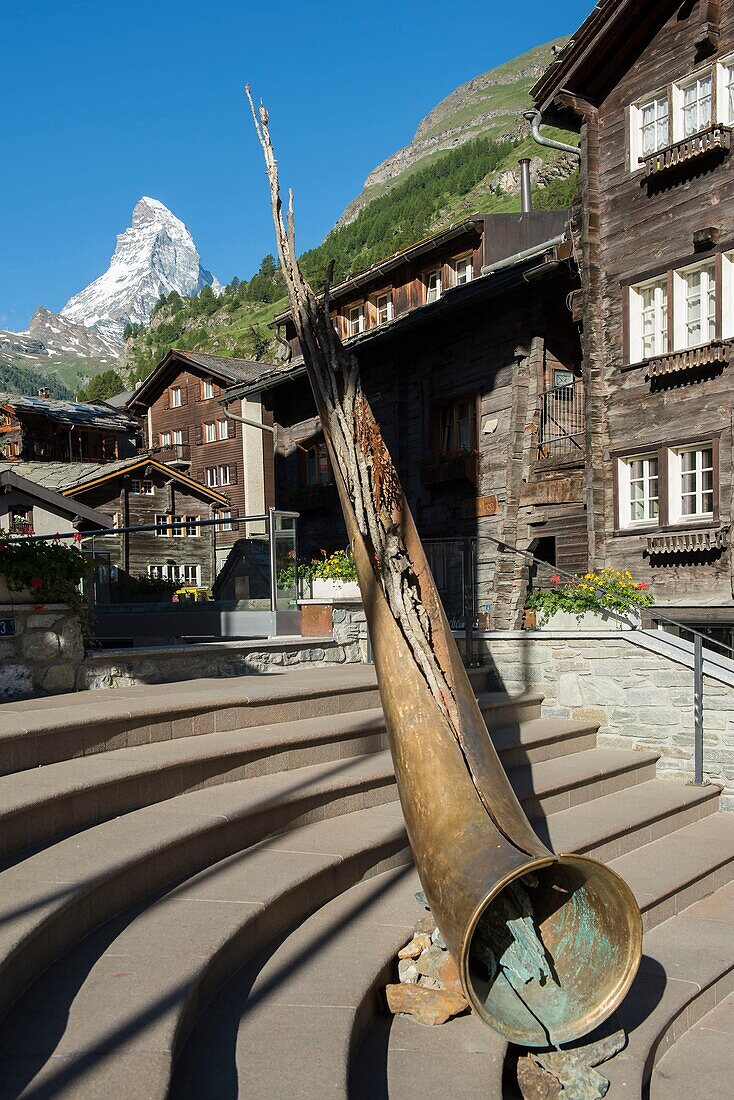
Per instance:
x=164, y=439
x=463, y=270
x=176, y=397
x=383, y=308
x=654, y=125
x=181, y=574
x=316, y=465
x=191, y=527
x=160, y=524
x=190, y=575
x=210, y=432
x=141, y=488
x=135, y=486
x=725, y=92
x=694, y=105
x=695, y=313
x=225, y=475
x=455, y=428
x=223, y=429
x=177, y=439
x=207, y=390
x=226, y=525
x=433, y=285
x=690, y=492
x=648, y=319
x=355, y=318
x=212, y=477
x=178, y=530
x=692, y=482
x=147, y=489
x=639, y=499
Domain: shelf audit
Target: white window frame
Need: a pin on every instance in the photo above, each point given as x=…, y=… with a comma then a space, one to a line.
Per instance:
x=136, y=486
x=679, y=90
x=727, y=295
x=355, y=319
x=675, y=483
x=192, y=581
x=463, y=268
x=164, y=439
x=682, y=339
x=383, y=302
x=223, y=429
x=227, y=525
x=207, y=390
x=624, y=486
x=725, y=85
x=225, y=475
x=433, y=293
x=177, y=438
x=637, y=351
x=161, y=522
x=147, y=489
x=636, y=126
x=211, y=475
x=210, y=431
x=176, y=399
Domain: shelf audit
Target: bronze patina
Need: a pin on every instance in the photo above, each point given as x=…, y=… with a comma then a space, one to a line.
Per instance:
x=547, y=945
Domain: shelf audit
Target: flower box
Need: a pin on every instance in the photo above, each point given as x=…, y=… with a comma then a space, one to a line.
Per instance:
x=589, y=620
x=451, y=468
x=23, y=595
x=328, y=588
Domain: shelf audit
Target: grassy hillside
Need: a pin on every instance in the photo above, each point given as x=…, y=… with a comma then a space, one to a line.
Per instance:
x=28, y=380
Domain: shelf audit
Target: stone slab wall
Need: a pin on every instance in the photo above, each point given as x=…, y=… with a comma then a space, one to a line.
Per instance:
x=638, y=697
x=44, y=654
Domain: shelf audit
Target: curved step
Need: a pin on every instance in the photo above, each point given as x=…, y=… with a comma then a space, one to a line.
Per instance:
x=700, y=1063
x=65, y=797
x=52, y=899
x=123, y=1001
x=287, y=1024
x=36, y=732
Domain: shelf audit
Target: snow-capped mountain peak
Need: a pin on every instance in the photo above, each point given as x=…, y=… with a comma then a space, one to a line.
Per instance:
x=155, y=255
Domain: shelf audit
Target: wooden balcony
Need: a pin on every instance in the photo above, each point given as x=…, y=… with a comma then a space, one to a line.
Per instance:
x=689, y=542
x=715, y=353
x=714, y=140
x=176, y=454
x=450, y=468
x=561, y=424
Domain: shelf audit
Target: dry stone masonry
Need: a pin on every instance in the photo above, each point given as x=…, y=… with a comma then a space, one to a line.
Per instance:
x=44, y=652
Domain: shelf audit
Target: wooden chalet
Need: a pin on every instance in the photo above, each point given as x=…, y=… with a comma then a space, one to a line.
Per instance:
x=49, y=430
x=467, y=346
x=188, y=430
x=142, y=491
x=650, y=89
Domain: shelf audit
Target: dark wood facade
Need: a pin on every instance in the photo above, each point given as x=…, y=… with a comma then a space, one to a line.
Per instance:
x=651, y=93
x=187, y=428
x=149, y=493
x=48, y=430
x=457, y=387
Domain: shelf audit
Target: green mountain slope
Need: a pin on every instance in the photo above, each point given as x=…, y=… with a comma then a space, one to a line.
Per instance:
x=476, y=173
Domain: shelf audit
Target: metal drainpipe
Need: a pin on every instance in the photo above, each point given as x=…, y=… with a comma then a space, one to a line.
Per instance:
x=535, y=119
x=526, y=195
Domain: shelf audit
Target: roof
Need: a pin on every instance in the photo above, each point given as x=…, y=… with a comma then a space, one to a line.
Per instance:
x=223, y=368
x=71, y=413
x=120, y=400
x=498, y=277
x=597, y=50
x=11, y=478
x=69, y=478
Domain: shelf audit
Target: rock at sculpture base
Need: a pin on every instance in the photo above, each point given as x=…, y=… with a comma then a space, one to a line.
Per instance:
x=428, y=1006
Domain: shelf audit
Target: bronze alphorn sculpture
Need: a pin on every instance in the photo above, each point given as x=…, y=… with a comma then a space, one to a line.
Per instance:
x=547, y=945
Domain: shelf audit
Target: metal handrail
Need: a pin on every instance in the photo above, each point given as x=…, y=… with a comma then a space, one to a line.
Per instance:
x=698, y=640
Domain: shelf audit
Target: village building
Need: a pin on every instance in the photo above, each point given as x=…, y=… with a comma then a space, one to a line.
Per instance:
x=187, y=429
x=471, y=361
x=44, y=429
x=141, y=492
x=27, y=508
x=651, y=92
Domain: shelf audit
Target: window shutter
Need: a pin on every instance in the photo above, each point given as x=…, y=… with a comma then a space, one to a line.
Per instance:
x=184, y=394
x=197, y=435
x=199, y=392
x=233, y=474
x=167, y=400
x=231, y=429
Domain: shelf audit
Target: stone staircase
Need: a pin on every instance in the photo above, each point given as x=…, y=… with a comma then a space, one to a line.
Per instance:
x=203, y=887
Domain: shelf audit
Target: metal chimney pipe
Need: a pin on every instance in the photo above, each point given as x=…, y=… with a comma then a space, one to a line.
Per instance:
x=526, y=198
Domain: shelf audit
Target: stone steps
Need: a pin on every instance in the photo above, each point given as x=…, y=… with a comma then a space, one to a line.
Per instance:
x=700, y=1063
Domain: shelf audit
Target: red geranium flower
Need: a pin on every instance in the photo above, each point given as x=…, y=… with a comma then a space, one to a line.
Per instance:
x=643, y=585
x=77, y=537
x=556, y=579
x=36, y=582
x=40, y=607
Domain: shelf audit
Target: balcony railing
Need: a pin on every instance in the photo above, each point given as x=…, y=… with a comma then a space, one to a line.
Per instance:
x=561, y=423
x=175, y=454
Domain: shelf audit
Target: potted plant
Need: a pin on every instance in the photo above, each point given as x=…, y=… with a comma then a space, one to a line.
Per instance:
x=41, y=572
x=334, y=576
x=607, y=600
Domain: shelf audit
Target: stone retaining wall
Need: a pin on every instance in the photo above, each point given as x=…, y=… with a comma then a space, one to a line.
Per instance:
x=638, y=697
x=45, y=652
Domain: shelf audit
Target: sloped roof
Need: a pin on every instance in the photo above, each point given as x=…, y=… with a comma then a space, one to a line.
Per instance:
x=73, y=477
x=70, y=413
x=30, y=488
x=596, y=52
x=222, y=368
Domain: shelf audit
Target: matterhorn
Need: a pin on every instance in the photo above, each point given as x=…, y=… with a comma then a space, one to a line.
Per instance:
x=154, y=256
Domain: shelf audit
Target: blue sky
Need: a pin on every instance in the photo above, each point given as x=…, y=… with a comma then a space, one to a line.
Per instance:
x=104, y=102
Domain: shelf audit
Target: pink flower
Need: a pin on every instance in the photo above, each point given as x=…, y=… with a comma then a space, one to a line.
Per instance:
x=36, y=582
x=556, y=579
x=643, y=585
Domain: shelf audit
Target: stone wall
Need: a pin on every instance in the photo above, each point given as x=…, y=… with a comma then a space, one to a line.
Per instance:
x=43, y=655
x=638, y=696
